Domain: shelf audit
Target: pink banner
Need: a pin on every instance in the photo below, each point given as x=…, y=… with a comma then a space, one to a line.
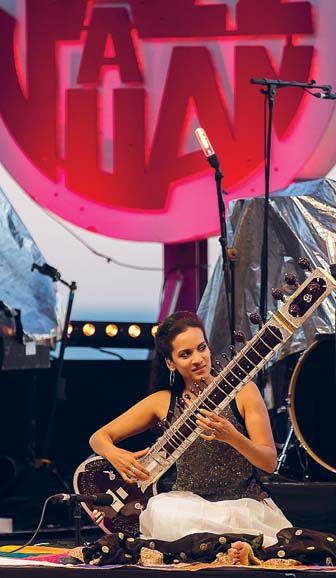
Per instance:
x=99, y=103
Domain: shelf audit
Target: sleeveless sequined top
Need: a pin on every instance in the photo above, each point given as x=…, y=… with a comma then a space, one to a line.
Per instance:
x=215, y=470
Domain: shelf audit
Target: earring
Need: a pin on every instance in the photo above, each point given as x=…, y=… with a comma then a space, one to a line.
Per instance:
x=172, y=377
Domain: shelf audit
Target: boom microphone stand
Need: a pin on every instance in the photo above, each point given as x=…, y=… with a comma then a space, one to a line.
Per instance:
x=270, y=93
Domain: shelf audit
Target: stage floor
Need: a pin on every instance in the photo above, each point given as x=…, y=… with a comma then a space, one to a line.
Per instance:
x=18, y=567
x=307, y=504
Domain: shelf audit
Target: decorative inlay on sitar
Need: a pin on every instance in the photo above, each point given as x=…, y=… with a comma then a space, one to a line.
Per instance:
x=96, y=475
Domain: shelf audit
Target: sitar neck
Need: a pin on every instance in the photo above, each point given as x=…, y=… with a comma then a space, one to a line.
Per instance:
x=240, y=370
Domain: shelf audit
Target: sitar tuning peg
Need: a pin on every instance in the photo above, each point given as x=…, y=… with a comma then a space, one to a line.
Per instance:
x=294, y=309
x=225, y=356
x=163, y=424
x=256, y=319
x=214, y=371
x=232, y=350
x=203, y=385
x=219, y=365
x=181, y=403
x=291, y=280
x=304, y=263
x=239, y=336
x=278, y=295
x=314, y=288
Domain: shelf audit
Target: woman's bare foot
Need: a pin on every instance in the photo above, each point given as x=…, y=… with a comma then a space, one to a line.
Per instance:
x=242, y=554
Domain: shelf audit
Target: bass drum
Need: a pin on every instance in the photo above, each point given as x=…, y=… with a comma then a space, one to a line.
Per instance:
x=312, y=401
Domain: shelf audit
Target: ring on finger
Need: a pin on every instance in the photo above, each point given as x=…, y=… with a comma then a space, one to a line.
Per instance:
x=132, y=468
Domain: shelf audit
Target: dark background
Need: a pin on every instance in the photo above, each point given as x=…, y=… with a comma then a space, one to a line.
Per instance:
x=95, y=393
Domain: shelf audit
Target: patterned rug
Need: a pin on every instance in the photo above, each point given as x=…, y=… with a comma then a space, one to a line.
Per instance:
x=43, y=553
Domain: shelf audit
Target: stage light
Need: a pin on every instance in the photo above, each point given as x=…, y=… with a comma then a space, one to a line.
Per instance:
x=134, y=331
x=111, y=329
x=154, y=330
x=70, y=329
x=89, y=329
x=111, y=334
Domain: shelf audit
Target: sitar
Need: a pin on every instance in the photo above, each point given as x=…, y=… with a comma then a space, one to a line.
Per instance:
x=96, y=475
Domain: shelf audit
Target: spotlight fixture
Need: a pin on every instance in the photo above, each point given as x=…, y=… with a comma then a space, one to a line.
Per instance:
x=154, y=330
x=111, y=334
x=134, y=331
x=89, y=329
x=111, y=329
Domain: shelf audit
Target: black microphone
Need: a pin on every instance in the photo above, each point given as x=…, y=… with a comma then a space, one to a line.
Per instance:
x=283, y=83
x=206, y=147
x=96, y=499
x=326, y=95
x=265, y=81
x=48, y=270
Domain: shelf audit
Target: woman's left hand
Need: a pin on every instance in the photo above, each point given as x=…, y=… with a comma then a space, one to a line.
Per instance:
x=216, y=426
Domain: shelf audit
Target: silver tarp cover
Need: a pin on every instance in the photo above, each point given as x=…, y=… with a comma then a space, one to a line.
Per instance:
x=301, y=219
x=20, y=288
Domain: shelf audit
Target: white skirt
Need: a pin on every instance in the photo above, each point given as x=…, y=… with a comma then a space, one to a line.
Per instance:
x=170, y=516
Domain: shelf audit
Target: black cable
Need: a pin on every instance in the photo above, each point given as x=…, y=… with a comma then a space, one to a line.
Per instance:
x=97, y=253
x=117, y=355
x=6, y=554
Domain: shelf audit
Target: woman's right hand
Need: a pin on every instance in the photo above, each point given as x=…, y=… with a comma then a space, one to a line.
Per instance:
x=127, y=464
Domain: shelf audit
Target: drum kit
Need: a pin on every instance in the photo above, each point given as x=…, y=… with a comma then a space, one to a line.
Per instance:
x=303, y=415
